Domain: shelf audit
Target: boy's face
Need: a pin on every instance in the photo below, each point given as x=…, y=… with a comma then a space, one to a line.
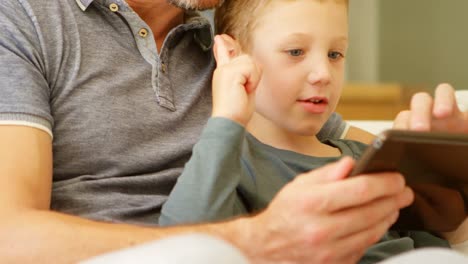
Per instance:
x=300, y=47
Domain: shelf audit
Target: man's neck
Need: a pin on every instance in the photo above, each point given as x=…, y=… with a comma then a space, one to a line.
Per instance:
x=160, y=16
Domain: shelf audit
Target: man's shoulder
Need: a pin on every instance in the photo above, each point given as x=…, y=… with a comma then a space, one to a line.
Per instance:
x=25, y=5
x=23, y=20
x=11, y=9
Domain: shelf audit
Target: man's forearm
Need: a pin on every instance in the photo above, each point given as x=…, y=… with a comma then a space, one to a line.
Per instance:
x=49, y=237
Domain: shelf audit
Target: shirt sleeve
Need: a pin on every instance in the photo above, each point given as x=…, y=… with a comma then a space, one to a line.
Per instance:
x=24, y=89
x=207, y=188
x=334, y=128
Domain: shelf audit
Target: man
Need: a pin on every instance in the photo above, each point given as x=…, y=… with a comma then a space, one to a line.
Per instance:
x=100, y=103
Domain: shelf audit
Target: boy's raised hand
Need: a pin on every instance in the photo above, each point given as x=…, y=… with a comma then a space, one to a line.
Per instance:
x=438, y=113
x=234, y=81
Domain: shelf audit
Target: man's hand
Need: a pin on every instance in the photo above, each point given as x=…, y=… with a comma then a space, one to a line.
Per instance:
x=234, y=81
x=321, y=218
x=440, y=113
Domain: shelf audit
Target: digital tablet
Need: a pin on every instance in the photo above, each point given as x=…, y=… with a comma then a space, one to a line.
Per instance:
x=435, y=166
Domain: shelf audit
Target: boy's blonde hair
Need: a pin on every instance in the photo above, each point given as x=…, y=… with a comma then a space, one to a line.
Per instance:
x=238, y=18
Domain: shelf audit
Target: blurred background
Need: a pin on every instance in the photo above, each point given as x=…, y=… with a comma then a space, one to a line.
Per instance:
x=399, y=47
x=415, y=42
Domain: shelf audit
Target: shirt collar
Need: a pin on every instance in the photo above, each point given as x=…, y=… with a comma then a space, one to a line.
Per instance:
x=204, y=30
x=203, y=36
x=83, y=4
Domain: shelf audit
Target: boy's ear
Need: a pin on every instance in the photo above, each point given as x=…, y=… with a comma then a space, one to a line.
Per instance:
x=225, y=48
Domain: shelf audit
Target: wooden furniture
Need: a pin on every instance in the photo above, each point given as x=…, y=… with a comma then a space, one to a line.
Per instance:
x=374, y=101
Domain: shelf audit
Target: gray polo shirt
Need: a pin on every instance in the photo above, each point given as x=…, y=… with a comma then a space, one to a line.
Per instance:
x=124, y=117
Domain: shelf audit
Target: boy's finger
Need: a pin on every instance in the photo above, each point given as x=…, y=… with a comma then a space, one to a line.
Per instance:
x=421, y=112
x=402, y=120
x=221, y=52
x=444, y=101
x=232, y=46
x=254, y=79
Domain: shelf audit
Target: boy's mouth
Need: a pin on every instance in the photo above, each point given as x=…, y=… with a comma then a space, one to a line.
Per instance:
x=314, y=105
x=315, y=100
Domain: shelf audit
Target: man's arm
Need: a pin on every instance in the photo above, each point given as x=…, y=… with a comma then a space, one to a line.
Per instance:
x=31, y=233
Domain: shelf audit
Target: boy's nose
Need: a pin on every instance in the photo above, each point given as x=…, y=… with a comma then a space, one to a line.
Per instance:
x=320, y=72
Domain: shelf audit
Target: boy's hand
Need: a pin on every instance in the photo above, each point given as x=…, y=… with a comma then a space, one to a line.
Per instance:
x=234, y=81
x=440, y=113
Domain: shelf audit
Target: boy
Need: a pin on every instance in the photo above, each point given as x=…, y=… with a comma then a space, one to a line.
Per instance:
x=277, y=82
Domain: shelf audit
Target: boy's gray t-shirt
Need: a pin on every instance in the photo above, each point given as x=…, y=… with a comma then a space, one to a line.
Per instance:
x=124, y=117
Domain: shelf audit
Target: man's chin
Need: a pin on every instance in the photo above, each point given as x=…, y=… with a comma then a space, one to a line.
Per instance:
x=199, y=5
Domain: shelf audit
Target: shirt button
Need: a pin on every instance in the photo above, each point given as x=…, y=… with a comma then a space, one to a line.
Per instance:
x=114, y=7
x=143, y=32
x=163, y=68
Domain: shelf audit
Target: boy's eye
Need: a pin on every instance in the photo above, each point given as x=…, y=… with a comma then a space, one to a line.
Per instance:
x=295, y=52
x=335, y=55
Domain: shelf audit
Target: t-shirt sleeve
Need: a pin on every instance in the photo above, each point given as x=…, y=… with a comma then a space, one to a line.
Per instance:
x=334, y=128
x=207, y=190
x=24, y=89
